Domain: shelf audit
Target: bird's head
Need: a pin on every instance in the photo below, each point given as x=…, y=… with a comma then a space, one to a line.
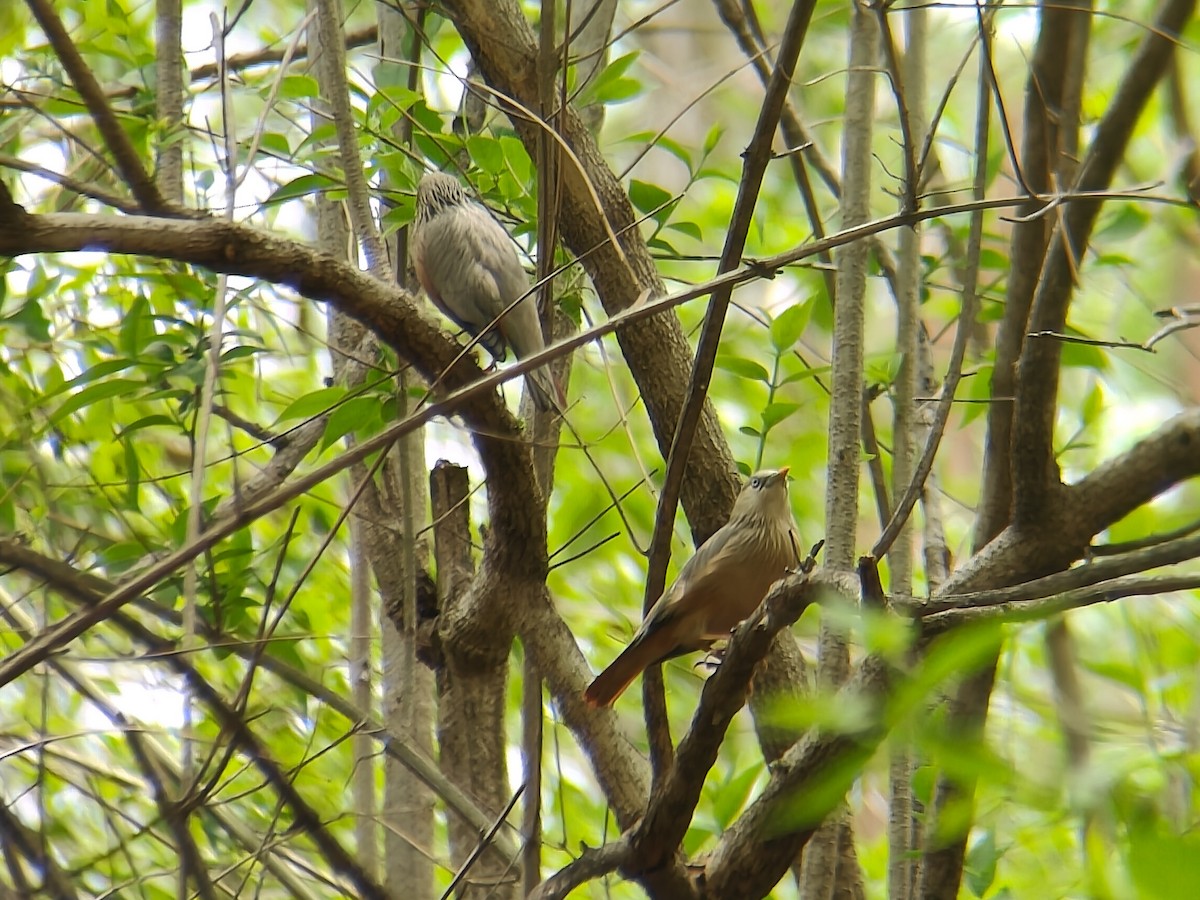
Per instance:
x=764, y=496
x=438, y=191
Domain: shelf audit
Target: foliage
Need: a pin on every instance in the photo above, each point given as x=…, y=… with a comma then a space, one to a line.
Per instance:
x=101, y=375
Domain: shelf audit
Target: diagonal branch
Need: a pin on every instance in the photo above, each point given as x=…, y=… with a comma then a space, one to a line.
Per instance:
x=1034, y=467
x=128, y=161
x=1120, y=485
x=661, y=830
x=757, y=157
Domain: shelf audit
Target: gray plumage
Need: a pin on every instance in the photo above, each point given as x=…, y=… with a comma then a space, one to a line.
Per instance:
x=469, y=268
x=723, y=583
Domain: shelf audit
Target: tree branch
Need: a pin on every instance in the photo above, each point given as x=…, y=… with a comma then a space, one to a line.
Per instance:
x=128, y=161
x=1035, y=470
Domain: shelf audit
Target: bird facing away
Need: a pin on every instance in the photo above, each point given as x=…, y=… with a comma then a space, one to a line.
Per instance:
x=723, y=583
x=468, y=266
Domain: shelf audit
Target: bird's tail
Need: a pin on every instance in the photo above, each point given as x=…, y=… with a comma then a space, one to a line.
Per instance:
x=612, y=682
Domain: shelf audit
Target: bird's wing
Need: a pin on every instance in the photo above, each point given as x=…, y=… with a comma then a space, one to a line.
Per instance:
x=723, y=582
x=690, y=593
x=520, y=325
x=462, y=268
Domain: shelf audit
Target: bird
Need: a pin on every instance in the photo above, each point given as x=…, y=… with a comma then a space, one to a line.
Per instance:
x=723, y=583
x=467, y=264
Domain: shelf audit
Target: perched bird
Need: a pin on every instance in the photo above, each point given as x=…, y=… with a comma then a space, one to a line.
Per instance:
x=468, y=266
x=719, y=586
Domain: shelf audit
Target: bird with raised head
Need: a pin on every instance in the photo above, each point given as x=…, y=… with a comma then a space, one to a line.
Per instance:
x=468, y=265
x=723, y=583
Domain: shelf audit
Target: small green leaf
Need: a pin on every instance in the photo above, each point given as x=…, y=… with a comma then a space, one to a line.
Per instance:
x=275, y=144
x=776, y=413
x=133, y=473
x=611, y=84
x=317, y=403
x=745, y=368
x=299, y=87
x=486, y=153
x=978, y=390
x=981, y=864
x=676, y=149
x=711, y=139
x=1084, y=356
x=787, y=327
x=94, y=393
x=30, y=319
x=805, y=374
x=648, y=198
x=1122, y=222
x=137, y=329
x=301, y=187
x=691, y=229
x=147, y=422
x=354, y=414
x=241, y=351
x=1093, y=405
x=993, y=260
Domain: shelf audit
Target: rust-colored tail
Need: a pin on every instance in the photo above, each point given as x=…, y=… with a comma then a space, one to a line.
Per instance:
x=612, y=682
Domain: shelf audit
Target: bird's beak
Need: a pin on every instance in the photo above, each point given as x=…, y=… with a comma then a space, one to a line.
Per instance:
x=783, y=470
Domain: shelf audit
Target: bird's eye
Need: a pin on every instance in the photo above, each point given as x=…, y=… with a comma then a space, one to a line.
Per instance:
x=756, y=482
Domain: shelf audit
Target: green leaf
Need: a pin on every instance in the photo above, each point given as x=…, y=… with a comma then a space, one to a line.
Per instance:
x=30, y=319
x=787, y=327
x=1084, y=356
x=993, y=260
x=713, y=136
x=94, y=393
x=241, y=351
x=299, y=87
x=317, y=403
x=730, y=797
x=981, y=861
x=133, y=473
x=776, y=413
x=611, y=84
x=486, y=153
x=676, y=149
x=311, y=183
x=691, y=229
x=356, y=413
x=137, y=328
x=1121, y=222
x=147, y=422
x=745, y=368
x=649, y=198
x=275, y=144
x=977, y=388
x=1164, y=866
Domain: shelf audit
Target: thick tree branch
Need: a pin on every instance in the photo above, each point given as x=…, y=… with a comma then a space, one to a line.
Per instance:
x=1120, y=485
x=808, y=782
x=659, y=833
x=1035, y=471
x=505, y=48
x=1032, y=609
